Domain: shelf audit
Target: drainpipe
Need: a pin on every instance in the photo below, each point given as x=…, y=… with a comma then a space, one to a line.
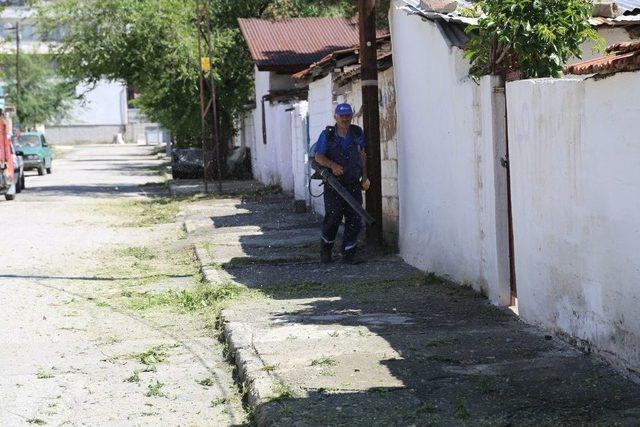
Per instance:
x=264, y=122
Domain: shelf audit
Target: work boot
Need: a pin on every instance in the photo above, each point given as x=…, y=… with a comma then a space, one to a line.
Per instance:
x=325, y=252
x=350, y=257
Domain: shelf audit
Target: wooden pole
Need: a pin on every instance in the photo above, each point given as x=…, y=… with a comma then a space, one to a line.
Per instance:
x=371, y=115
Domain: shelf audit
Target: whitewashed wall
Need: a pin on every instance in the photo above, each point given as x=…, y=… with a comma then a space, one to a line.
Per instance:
x=245, y=136
x=320, y=116
x=300, y=149
x=271, y=162
x=575, y=181
x=97, y=119
x=352, y=93
x=104, y=105
x=263, y=159
x=280, y=139
x=451, y=188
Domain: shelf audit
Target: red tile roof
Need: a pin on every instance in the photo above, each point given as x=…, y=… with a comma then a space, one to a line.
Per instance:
x=291, y=45
x=624, y=57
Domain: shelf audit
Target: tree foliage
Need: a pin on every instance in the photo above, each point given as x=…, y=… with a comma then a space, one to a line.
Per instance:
x=151, y=45
x=534, y=37
x=43, y=96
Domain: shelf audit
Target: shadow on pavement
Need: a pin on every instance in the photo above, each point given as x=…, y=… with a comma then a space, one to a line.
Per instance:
x=383, y=344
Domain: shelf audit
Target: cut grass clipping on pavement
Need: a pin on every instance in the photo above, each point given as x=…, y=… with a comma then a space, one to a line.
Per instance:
x=144, y=212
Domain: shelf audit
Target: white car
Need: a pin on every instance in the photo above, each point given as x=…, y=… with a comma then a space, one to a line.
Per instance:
x=18, y=167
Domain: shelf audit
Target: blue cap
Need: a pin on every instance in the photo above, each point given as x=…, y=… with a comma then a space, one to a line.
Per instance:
x=344, y=110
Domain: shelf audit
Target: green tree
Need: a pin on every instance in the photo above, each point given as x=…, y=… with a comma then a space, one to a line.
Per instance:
x=151, y=45
x=534, y=37
x=43, y=96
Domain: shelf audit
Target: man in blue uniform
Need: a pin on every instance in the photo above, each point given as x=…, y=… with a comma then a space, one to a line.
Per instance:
x=342, y=149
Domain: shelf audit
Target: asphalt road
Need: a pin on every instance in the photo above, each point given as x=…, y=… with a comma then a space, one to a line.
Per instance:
x=67, y=355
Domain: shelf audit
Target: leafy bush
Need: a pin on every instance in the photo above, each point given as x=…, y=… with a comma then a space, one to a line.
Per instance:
x=534, y=37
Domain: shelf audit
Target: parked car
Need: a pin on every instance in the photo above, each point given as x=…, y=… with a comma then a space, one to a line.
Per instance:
x=36, y=151
x=187, y=163
x=18, y=169
x=7, y=172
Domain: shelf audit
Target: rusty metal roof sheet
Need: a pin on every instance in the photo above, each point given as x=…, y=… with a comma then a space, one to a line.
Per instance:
x=620, y=21
x=385, y=61
x=339, y=59
x=624, y=57
x=291, y=45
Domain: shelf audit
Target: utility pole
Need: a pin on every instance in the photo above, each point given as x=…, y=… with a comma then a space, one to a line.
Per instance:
x=17, y=67
x=371, y=115
x=208, y=102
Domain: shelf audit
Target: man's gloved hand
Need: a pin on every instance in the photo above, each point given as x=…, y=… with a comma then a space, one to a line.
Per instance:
x=365, y=184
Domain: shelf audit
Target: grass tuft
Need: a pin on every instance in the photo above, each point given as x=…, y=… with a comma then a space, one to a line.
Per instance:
x=134, y=378
x=219, y=401
x=138, y=252
x=43, y=375
x=206, y=382
x=459, y=410
x=282, y=392
x=154, y=390
x=325, y=361
x=153, y=355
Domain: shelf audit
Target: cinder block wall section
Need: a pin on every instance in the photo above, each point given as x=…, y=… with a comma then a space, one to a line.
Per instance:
x=574, y=167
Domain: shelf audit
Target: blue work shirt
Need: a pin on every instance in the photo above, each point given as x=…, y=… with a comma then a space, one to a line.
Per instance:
x=350, y=138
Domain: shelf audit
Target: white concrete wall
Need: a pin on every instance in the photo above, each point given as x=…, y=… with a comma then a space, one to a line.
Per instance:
x=105, y=105
x=575, y=175
x=101, y=115
x=452, y=208
x=140, y=129
x=300, y=150
x=263, y=162
x=280, y=137
x=271, y=162
x=320, y=116
x=64, y=135
x=246, y=135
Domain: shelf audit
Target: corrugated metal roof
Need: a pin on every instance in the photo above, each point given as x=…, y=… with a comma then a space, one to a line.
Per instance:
x=620, y=21
x=628, y=6
x=452, y=24
x=625, y=57
x=291, y=45
x=339, y=59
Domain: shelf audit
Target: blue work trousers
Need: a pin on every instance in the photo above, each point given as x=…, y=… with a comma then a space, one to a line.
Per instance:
x=335, y=210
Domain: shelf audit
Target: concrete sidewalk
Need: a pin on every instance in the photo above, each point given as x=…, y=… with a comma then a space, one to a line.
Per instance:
x=382, y=343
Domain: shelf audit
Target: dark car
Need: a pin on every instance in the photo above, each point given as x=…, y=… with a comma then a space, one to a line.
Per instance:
x=187, y=163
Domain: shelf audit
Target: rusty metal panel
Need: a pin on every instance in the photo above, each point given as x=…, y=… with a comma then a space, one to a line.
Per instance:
x=291, y=45
x=624, y=57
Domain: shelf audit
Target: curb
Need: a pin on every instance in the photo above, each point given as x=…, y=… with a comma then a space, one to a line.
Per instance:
x=252, y=379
